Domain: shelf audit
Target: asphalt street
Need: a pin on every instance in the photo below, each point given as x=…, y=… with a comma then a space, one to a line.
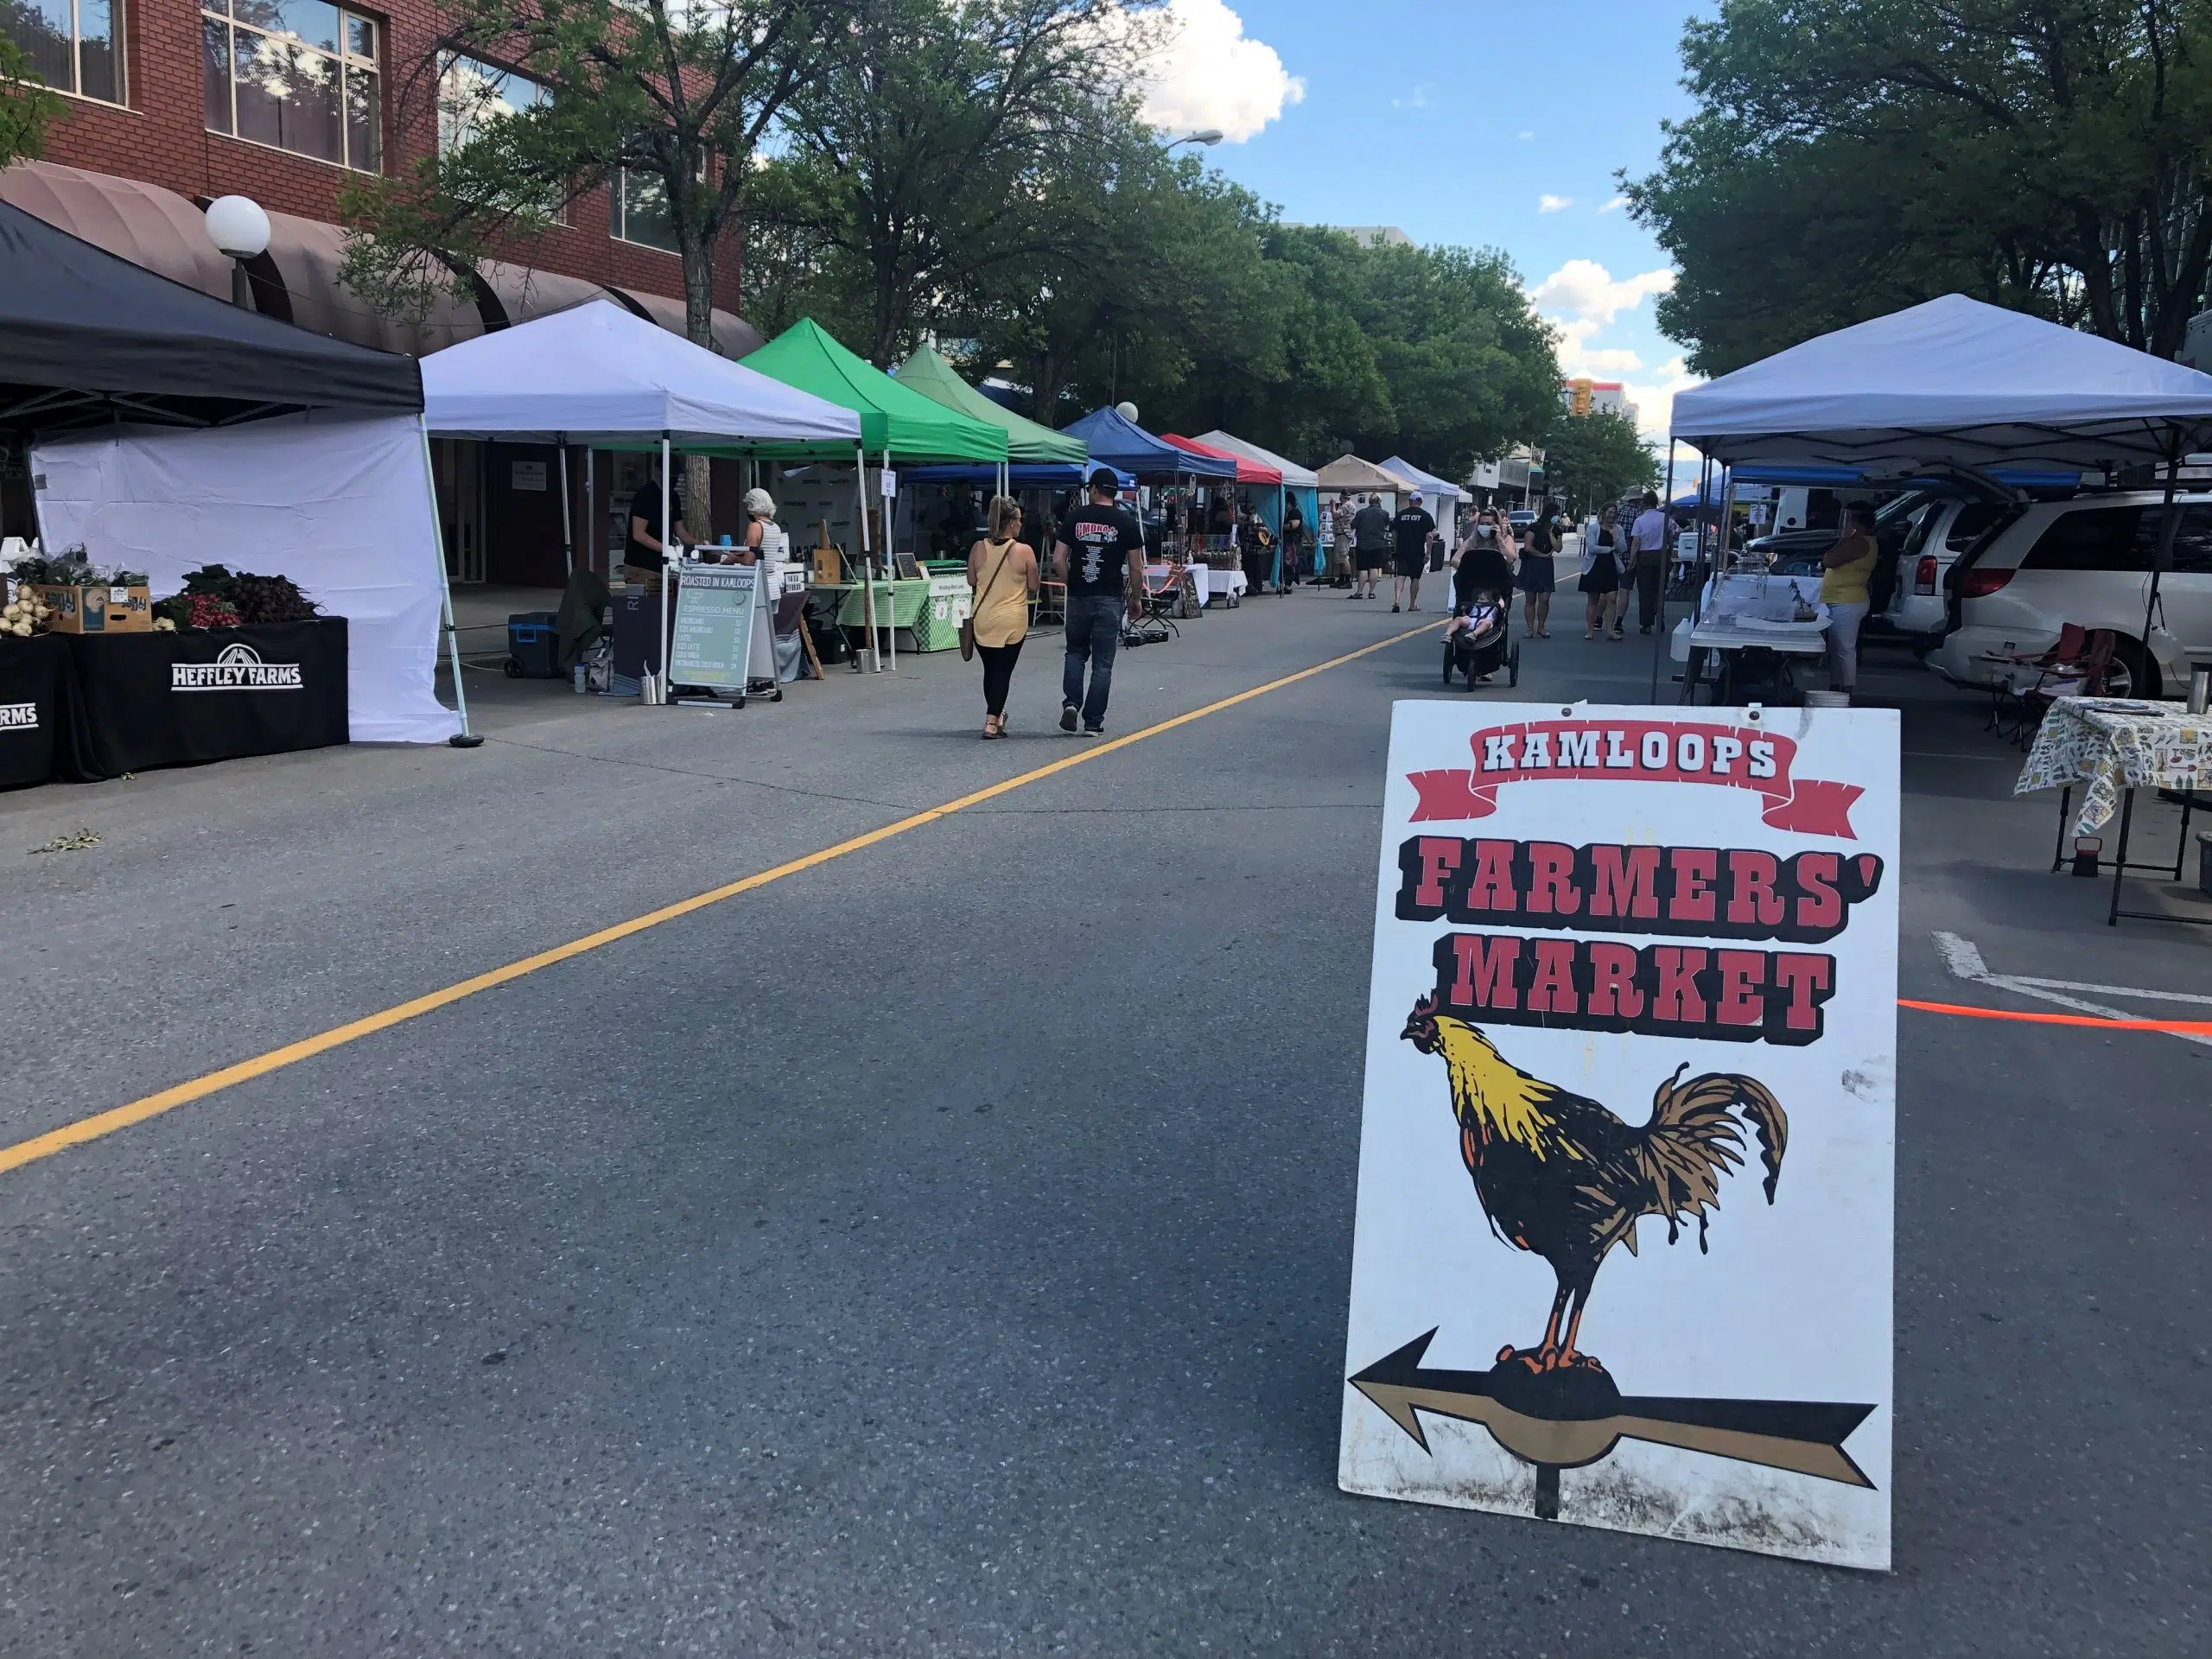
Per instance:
x=943, y=1248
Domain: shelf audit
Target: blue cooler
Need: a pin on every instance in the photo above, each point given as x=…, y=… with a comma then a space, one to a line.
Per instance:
x=533, y=653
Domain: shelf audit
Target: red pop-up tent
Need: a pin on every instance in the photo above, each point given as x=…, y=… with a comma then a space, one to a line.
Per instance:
x=1248, y=471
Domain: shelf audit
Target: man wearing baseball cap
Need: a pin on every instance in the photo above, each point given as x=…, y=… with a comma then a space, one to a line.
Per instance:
x=1099, y=553
x=1415, y=531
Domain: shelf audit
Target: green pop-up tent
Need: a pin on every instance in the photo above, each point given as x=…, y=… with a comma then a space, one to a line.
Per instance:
x=928, y=372
x=895, y=420
x=897, y=424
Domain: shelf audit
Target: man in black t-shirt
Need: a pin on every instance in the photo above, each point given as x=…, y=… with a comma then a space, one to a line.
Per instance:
x=1099, y=553
x=644, y=550
x=1413, y=530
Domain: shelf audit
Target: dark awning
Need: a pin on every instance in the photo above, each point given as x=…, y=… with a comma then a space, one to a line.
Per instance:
x=86, y=337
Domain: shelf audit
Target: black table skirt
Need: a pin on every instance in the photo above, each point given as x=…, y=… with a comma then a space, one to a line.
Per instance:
x=42, y=732
x=83, y=706
x=179, y=699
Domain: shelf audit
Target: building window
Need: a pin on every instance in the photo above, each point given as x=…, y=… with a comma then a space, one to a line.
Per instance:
x=474, y=94
x=640, y=210
x=295, y=74
x=76, y=45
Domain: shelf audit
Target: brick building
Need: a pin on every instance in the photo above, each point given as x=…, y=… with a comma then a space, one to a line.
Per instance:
x=171, y=103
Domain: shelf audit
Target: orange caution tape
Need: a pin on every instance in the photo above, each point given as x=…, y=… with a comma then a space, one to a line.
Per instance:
x=2183, y=1028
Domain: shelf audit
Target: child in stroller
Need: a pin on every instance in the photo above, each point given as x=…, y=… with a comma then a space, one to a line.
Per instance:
x=1478, y=641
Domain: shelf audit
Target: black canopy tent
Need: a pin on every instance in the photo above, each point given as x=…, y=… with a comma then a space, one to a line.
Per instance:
x=88, y=340
x=86, y=337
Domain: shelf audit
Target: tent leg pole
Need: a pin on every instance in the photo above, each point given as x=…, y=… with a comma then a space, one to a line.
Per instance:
x=2169, y=522
x=868, y=563
x=890, y=560
x=463, y=739
x=667, y=572
x=1666, y=559
x=567, y=527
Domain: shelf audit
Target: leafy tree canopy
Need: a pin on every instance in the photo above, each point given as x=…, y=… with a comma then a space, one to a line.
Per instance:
x=1851, y=157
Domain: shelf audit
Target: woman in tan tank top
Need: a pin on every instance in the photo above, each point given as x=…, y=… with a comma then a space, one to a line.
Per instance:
x=1002, y=571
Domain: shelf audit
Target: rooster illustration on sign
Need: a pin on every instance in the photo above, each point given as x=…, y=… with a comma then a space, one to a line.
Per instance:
x=1561, y=1176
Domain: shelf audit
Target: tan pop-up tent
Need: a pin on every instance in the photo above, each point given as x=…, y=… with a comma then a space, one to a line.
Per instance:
x=1347, y=473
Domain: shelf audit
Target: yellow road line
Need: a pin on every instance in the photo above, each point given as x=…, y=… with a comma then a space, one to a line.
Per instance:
x=121, y=1117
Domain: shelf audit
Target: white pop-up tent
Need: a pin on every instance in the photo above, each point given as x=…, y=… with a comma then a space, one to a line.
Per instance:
x=1955, y=383
x=597, y=374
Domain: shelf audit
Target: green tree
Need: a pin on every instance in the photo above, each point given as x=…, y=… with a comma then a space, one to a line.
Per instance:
x=1590, y=459
x=673, y=97
x=930, y=127
x=1848, y=157
x=26, y=107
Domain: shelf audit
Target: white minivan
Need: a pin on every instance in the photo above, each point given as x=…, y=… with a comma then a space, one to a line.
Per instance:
x=2086, y=560
x=1943, y=528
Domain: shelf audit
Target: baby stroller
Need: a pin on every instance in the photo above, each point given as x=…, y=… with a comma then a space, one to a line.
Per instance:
x=1478, y=642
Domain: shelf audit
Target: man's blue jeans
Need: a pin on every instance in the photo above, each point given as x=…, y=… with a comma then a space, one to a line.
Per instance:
x=1094, y=635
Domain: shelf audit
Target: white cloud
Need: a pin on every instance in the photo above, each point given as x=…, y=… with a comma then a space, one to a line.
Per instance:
x=1581, y=299
x=1583, y=288
x=1210, y=73
x=1551, y=204
x=1654, y=400
x=1615, y=205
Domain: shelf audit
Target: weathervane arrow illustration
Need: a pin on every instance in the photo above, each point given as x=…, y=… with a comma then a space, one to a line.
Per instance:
x=1568, y=1420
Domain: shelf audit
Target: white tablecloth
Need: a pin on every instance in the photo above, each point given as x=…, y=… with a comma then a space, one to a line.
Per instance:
x=2115, y=743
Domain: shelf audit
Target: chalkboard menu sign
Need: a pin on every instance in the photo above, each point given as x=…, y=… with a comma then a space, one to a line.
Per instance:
x=712, y=638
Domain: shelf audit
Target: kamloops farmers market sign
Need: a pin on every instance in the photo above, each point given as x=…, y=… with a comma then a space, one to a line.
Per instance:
x=1580, y=911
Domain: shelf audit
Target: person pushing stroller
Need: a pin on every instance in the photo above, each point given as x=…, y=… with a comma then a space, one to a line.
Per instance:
x=1476, y=640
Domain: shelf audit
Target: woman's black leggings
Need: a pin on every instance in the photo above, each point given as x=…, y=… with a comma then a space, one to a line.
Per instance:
x=998, y=674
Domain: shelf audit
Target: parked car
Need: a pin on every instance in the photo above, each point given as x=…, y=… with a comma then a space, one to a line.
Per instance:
x=1943, y=531
x=2086, y=560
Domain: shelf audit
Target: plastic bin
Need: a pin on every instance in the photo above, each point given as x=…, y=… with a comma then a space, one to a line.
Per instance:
x=533, y=653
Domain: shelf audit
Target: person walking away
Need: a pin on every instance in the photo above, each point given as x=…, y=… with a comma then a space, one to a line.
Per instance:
x=1371, y=546
x=1536, y=577
x=1847, y=567
x=1648, y=548
x=1003, y=575
x=1293, y=544
x=1099, y=553
x=1414, y=530
x=1601, y=577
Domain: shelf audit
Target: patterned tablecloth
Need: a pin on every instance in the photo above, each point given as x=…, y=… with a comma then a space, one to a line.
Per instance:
x=2114, y=744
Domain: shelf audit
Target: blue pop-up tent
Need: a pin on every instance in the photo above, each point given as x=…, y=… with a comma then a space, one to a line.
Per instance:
x=1128, y=448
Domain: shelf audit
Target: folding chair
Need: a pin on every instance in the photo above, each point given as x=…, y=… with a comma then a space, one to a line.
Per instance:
x=1164, y=595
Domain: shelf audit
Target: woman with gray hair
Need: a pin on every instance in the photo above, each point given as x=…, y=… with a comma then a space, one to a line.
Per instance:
x=764, y=537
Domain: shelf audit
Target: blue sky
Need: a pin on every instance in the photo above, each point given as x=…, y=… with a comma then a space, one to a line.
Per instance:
x=1465, y=122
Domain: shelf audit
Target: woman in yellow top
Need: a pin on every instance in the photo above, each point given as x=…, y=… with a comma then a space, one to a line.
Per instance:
x=1848, y=567
x=1002, y=571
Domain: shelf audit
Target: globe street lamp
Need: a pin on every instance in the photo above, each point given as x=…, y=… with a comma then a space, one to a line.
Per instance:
x=239, y=230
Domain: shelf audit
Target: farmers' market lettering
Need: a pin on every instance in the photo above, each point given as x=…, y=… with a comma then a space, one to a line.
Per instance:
x=1733, y=893
x=1661, y=990
x=1710, y=893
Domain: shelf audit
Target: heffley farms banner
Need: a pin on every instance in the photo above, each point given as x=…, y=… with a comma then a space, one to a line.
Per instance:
x=1626, y=1165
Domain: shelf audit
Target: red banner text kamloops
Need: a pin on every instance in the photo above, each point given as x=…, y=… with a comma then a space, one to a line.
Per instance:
x=1728, y=994
x=1632, y=751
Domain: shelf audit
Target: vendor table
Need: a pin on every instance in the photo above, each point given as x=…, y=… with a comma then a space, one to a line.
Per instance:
x=177, y=699
x=1742, y=612
x=2117, y=746
x=41, y=719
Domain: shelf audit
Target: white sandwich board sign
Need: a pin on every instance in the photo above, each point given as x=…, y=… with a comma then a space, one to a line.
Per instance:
x=1624, y=1233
